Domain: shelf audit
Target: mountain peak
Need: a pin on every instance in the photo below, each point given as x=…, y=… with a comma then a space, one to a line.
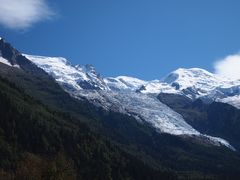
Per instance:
x=191, y=73
x=90, y=67
x=10, y=56
x=193, y=77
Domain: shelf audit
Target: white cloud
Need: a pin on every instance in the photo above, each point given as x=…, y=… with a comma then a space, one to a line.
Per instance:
x=229, y=66
x=21, y=14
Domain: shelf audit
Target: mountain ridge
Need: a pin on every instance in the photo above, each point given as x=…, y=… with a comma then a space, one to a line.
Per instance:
x=143, y=107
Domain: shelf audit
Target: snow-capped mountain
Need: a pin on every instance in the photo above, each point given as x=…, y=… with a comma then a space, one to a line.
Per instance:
x=128, y=95
x=71, y=77
x=197, y=83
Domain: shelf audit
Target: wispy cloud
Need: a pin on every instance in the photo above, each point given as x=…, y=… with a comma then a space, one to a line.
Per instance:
x=229, y=66
x=22, y=14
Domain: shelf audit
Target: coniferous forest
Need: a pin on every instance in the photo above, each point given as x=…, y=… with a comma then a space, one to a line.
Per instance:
x=43, y=142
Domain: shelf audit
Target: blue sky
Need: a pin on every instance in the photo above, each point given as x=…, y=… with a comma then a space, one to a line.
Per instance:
x=141, y=38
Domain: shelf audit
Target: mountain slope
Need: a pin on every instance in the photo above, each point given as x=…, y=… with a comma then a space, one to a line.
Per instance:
x=32, y=134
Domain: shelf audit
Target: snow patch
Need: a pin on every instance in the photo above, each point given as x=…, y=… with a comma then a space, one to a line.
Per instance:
x=5, y=61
